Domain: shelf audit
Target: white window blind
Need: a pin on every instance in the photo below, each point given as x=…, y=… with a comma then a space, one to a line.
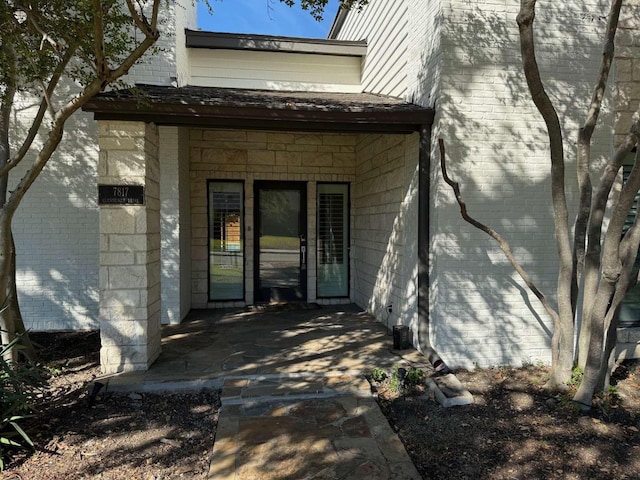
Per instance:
x=333, y=240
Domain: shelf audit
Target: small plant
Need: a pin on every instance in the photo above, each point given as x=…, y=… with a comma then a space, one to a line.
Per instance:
x=57, y=369
x=378, y=375
x=19, y=386
x=576, y=377
x=414, y=376
x=395, y=382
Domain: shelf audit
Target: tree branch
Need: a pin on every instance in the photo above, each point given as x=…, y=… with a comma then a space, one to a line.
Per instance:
x=98, y=27
x=94, y=87
x=37, y=121
x=504, y=245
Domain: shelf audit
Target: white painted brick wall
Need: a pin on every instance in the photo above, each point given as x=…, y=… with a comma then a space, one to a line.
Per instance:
x=56, y=226
x=167, y=61
x=56, y=233
x=497, y=149
x=462, y=57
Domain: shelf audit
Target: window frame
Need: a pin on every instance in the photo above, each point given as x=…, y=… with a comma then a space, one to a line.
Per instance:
x=243, y=249
x=347, y=240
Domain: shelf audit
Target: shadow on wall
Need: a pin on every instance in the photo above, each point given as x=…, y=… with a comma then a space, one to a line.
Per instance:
x=56, y=232
x=497, y=149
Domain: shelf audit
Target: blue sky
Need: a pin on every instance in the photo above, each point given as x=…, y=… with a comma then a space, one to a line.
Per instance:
x=267, y=17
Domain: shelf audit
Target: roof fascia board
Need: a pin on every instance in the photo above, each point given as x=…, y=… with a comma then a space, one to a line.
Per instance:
x=262, y=124
x=338, y=21
x=266, y=43
x=255, y=117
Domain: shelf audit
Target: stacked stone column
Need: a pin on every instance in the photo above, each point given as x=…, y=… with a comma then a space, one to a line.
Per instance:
x=129, y=249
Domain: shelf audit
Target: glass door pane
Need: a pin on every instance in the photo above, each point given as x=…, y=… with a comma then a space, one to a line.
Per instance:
x=279, y=237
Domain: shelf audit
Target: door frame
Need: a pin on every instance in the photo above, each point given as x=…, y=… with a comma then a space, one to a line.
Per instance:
x=280, y=185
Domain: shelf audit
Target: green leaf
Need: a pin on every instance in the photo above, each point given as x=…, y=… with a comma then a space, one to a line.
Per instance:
x=22, y=433
x=6, y=441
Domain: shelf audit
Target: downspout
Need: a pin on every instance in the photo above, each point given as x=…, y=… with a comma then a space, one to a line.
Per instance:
x=424, y=202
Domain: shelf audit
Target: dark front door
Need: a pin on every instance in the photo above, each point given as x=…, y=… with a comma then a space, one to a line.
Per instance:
x=280, y=241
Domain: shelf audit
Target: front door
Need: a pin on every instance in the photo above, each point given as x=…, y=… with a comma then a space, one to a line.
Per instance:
x=280, y=241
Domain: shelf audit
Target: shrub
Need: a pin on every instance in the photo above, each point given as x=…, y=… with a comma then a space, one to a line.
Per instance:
x=415, y=376
x=20, y=384
x=378, y=374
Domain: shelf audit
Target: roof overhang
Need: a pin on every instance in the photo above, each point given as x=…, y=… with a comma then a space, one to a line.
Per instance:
x=258, y=109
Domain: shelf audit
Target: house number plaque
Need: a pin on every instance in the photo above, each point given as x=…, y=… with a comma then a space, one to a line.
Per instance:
x=120, y=195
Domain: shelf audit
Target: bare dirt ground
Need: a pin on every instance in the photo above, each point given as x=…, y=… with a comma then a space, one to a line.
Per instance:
x=515, y=429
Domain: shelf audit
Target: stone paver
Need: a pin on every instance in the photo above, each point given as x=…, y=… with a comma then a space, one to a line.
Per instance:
x=334, y=438
x=295, y=402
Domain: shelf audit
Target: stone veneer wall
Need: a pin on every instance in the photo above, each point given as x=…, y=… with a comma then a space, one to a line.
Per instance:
x=385, y=209
x=259, y=155
x=129, y=249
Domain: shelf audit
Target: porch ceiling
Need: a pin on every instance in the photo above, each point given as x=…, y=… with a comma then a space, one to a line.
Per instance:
x=260, y=109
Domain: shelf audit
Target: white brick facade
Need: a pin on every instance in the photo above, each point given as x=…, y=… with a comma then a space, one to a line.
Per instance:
x=56, y=225
x=462, y=57
x=459, y=57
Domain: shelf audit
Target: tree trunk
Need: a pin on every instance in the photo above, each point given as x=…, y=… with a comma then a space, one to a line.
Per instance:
x=7, y=323
x=27, y=349
x=562, y=341
x=611, y=274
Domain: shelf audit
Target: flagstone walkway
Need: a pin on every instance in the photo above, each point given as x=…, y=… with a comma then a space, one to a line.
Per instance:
x=295, y=402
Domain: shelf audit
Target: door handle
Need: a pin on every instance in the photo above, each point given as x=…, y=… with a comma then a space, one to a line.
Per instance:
x=303, y=262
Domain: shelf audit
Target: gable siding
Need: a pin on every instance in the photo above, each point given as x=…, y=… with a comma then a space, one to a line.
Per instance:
x=274, y=71
x=383, y=24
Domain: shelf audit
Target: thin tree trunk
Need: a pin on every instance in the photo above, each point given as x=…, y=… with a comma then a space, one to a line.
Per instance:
x=584, y=178
x=27, y=349
x=6, y=319
x=7, y=322
x=611, y=271
x=562, y=343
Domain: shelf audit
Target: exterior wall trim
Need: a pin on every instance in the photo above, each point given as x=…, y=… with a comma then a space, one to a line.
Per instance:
x=268, y=43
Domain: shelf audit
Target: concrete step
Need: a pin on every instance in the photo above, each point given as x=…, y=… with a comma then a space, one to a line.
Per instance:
x=293, y=386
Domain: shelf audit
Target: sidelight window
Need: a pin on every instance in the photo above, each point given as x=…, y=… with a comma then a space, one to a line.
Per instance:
x=226, y=240
x=333, y=240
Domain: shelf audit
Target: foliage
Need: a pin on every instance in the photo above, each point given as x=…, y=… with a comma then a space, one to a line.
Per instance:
x=20, y=385
x=577, y=374
x=378, y=375
x=415, y=376
x=316, y=7
x=401, y=378
x=395, y=381
x=58, y=55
